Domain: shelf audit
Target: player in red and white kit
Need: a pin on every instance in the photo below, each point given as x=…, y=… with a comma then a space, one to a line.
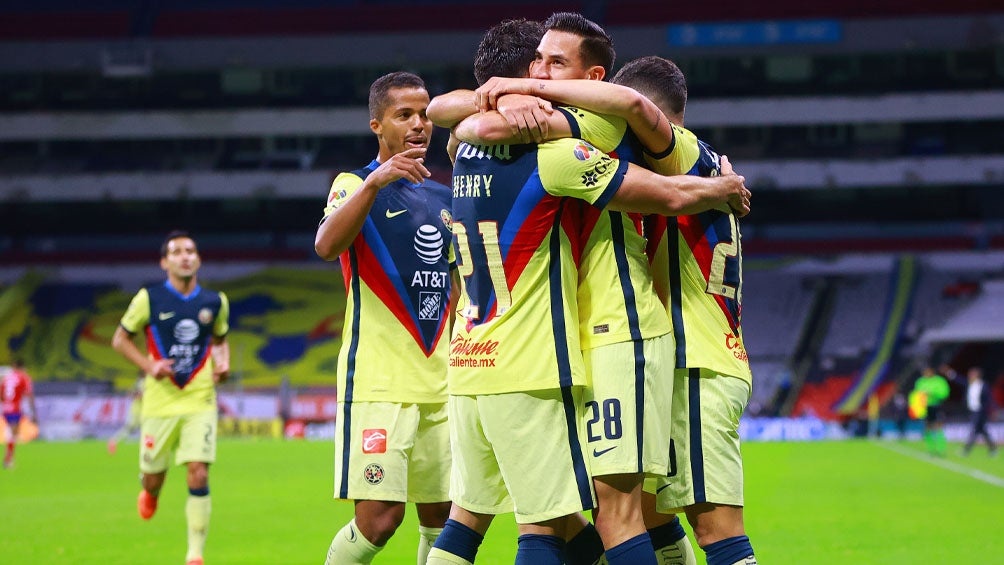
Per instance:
x=16, y=385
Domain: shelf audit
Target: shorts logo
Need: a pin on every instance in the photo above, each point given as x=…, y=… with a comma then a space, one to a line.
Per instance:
x=375, y=441
x=148, y=441
x=447, y=218
x=583, y=151
x=601, y=329
x=373, y=473
x=599, y=452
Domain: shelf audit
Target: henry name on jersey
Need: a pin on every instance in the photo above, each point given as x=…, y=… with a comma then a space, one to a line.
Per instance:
x=470, y=186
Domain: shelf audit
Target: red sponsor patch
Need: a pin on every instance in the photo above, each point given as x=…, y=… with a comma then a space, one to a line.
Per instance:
x=148, y=441
x=375, y=441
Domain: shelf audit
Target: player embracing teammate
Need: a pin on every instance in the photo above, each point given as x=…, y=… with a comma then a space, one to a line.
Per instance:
x=539, y=271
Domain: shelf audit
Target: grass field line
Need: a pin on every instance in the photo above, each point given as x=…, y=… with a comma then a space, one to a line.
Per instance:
x=962, y=469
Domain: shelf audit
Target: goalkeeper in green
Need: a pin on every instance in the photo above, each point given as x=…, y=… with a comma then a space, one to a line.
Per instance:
x=935, y=389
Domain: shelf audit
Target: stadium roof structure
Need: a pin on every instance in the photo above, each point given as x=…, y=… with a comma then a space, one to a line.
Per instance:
x=980, y=321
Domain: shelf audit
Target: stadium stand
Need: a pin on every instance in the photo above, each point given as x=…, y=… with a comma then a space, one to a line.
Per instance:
x=864, y=129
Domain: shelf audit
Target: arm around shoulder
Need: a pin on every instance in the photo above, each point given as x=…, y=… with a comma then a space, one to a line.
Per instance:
x=648, y=193
x=447, y=110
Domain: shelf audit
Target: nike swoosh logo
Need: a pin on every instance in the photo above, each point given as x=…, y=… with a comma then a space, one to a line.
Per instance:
x=352, y=534
x=598, y=453
x=390, y=214
x=662, y=488
x=166, y=315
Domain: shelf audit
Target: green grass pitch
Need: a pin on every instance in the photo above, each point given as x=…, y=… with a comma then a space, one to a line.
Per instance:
x=807, y=503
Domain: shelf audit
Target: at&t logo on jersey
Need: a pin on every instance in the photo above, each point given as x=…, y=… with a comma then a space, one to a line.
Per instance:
x=184, y=352
x=429, y=244
x=375, y=440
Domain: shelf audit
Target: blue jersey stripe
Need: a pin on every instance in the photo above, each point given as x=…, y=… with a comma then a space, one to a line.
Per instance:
x=582, y=480
x=696, y=447
x=159, y=343
x=350, y=371
x=615, y=183
x=631, y=311
x=573, y=122
x=675, y=298
x=558, y=300
x=639, y=398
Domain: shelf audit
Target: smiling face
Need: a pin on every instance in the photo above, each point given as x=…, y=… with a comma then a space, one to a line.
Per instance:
x=403, y=124
x=181, y=261
x=559, y=56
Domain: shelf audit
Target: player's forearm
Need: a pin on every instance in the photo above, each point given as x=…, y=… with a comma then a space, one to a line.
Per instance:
x=447, y=110
x=340, y=228
x=221, y=358
x=688, y=194
x=489, y=128
x=492, y=128
x=645, y=192
x=644, y=118
x=122, y=342
x=221, y=351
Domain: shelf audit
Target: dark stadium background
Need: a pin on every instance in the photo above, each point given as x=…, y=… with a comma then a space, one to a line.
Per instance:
x=870, y=133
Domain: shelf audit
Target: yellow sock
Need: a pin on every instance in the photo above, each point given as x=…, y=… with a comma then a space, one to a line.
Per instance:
x=439, y=557
x=426, y=537
x=197, y=511
x=350, y=547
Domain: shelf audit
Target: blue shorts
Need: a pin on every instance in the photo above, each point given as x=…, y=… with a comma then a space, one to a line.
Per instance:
x=13, y=418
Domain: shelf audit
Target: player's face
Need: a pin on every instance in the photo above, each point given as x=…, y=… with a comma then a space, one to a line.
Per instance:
x=559, y=56
x=404, y=124
x=182, y=259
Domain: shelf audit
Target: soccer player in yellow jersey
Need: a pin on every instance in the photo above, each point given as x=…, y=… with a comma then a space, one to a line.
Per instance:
x=697, y=263
x=187, y=354
x=390, y=226
x=515, y=239
x=624, y=329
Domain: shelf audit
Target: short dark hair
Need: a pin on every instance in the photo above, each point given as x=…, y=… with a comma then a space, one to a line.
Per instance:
x=381, y=87
x=658, y=79
x=173, y=235
x=507, y=49
x=597, y=46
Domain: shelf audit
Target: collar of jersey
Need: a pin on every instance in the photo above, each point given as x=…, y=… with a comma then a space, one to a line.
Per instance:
x=194, y=293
